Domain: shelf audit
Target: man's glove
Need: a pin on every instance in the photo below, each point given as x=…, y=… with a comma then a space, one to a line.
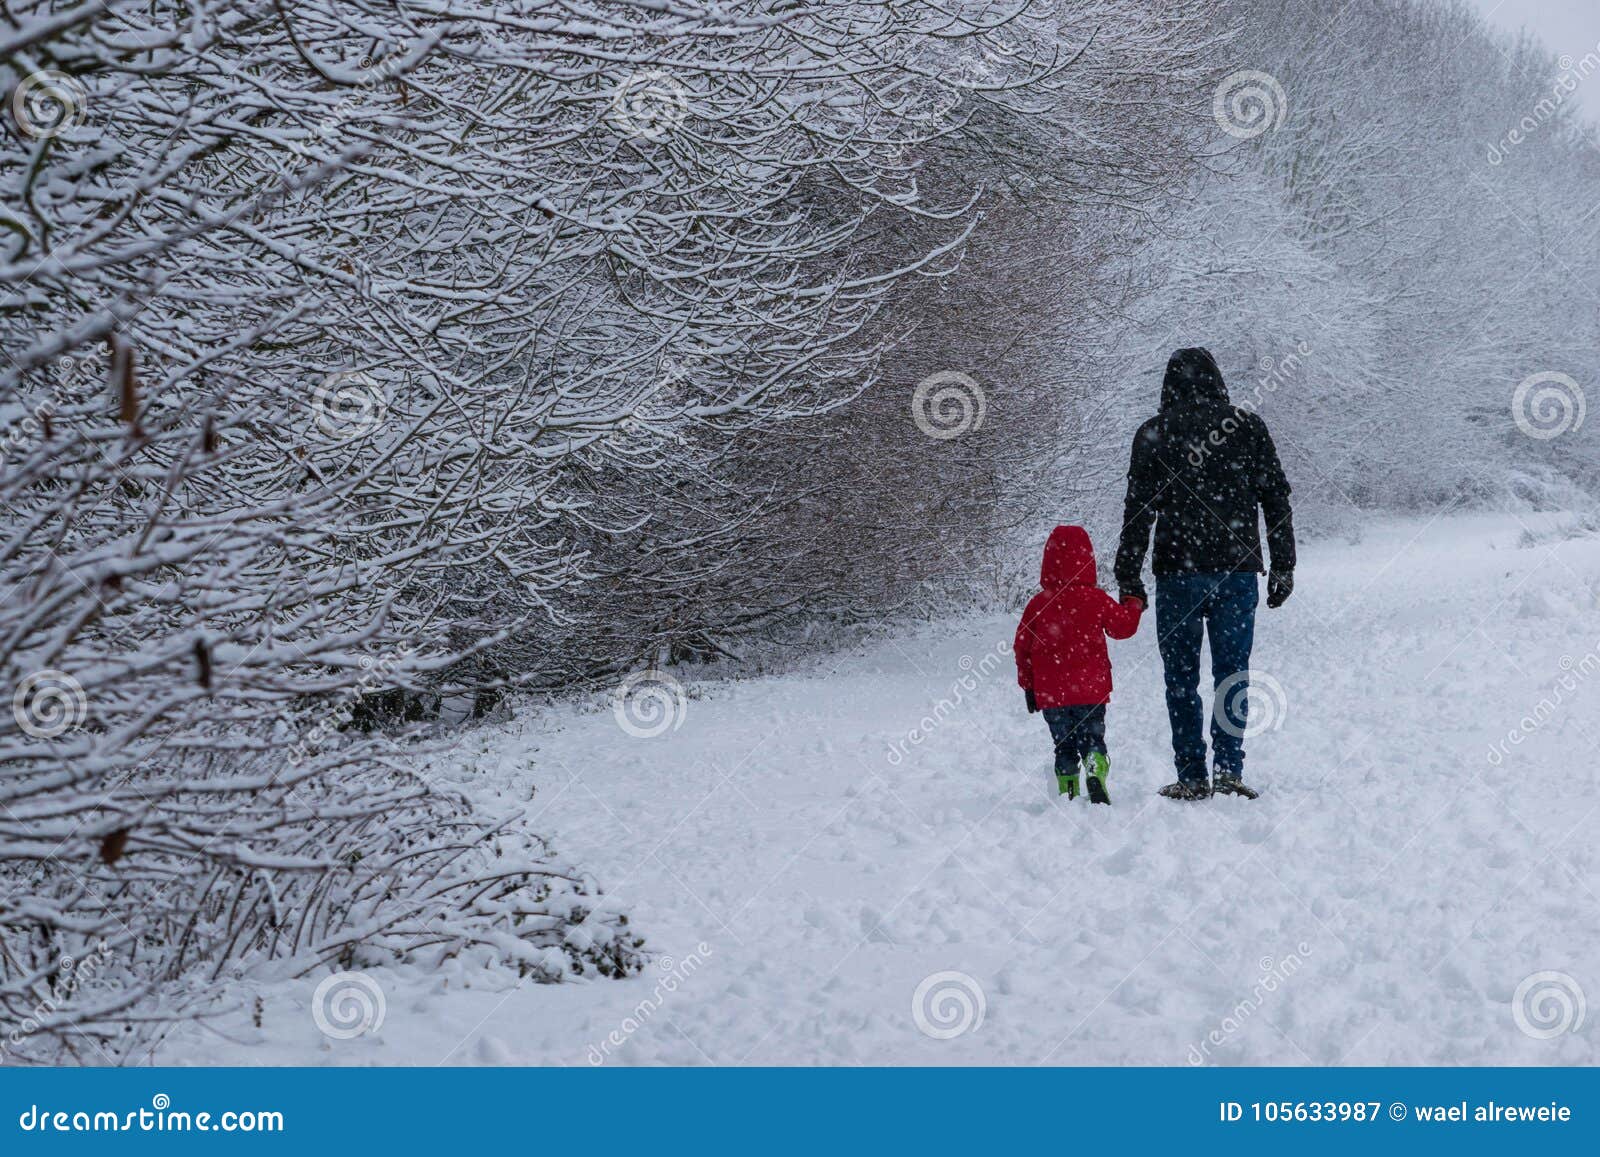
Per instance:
x=1134, y=590
x=1280, y=585
x=1033, y=704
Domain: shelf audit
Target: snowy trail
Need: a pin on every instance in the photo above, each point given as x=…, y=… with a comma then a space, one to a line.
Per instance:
x=1380, y=904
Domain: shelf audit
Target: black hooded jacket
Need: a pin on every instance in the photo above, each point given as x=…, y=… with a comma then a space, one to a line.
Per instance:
x=1199, y=470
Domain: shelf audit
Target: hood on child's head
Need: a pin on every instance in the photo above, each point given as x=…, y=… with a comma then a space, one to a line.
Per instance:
x=1068, y=558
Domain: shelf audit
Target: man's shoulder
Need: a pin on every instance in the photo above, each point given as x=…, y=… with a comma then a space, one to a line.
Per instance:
x=1250, y=418
x=1246, y=419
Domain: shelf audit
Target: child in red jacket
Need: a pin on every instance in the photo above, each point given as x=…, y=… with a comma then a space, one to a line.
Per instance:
x=1062, y=662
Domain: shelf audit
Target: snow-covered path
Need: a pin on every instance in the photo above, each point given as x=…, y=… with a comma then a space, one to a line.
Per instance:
x=802, y=865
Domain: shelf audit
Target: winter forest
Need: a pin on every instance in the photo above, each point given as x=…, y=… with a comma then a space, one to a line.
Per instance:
x=514, y=517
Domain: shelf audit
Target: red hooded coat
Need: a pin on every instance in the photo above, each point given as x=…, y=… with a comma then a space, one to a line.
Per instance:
x=1061, y=641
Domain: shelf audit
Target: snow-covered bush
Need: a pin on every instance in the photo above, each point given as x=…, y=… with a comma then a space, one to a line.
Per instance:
x=197, y=569
x=339, y=334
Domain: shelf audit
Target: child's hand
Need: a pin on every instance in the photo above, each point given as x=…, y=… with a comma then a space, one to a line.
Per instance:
x=1033, y=704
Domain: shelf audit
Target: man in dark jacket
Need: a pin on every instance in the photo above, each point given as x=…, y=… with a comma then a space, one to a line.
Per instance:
x=1200, y=470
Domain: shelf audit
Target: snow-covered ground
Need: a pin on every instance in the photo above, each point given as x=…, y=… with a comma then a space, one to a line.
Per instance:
x=801, y=864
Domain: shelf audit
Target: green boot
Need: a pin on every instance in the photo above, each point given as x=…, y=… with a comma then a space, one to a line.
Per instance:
x=1068, y=785
x=1099, y=771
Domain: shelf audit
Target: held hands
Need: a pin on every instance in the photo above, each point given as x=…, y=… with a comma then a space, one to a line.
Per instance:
x=1280, y=585
x=1135, y=591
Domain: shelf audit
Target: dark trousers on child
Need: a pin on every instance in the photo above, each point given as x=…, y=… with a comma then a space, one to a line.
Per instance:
x=1077, y=731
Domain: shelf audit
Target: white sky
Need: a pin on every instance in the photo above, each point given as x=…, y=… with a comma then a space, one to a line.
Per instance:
x=1568, y=27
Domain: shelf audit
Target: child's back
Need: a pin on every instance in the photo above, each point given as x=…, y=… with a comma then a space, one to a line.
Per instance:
x=1061, y=641
x=1062, y=661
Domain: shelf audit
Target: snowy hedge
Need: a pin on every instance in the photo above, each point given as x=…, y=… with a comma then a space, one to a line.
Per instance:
x=322, y=319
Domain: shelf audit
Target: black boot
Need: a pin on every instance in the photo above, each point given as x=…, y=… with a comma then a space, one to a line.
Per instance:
x=1181, y=790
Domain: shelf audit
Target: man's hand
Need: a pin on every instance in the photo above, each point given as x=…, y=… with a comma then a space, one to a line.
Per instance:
x=1134, y=591
x=1280, y=585
x=1033, y=704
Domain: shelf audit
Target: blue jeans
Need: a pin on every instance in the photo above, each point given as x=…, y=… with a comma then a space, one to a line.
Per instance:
x=1222, y=606
x=1077, y=731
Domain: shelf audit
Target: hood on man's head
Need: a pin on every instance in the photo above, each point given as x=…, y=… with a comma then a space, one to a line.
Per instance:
x=1192, y=377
